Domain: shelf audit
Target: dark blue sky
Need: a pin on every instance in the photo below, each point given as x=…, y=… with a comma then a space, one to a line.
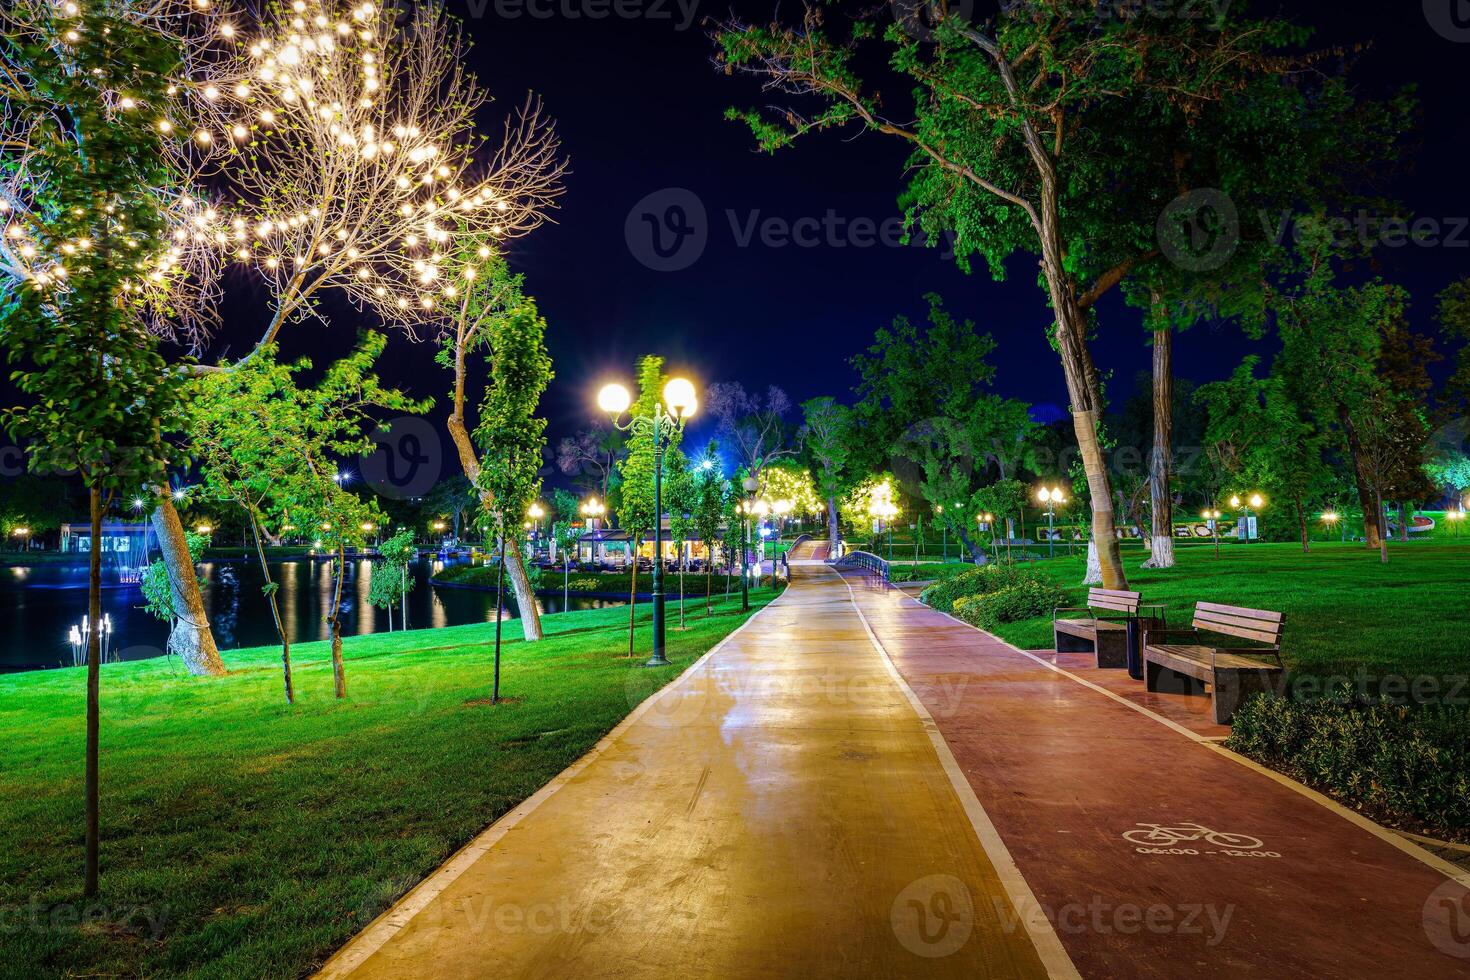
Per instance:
x=640, y=105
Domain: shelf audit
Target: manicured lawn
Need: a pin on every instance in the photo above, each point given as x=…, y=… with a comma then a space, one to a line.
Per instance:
x=243, y=837
x=1345, y=611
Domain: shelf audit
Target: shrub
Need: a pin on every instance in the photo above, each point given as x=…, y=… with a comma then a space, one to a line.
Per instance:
x=1409, y=761
x=977, y=581
x=585, y=585
x=938, y=571
x=1027, y=597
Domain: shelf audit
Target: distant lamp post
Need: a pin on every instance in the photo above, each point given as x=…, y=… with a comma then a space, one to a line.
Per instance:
x=746, y=507
x=1212, y=519
x=677, y=406
x=1455, y=517
x=24, y=533
x=535, y=512
x=1330, y=518
x=204, y=529
x=1053, y=498
x=1250, y=508
x=593, y=509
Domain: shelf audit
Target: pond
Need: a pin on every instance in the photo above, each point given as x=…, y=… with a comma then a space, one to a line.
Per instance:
x=43, y=601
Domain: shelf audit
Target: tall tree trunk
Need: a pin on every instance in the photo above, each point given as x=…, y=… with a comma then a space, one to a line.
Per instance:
x=190, y=639
x=1372, y=518
x=94, y=685
x=1160, y=496
x=265, y=571
x=1382, y=538
x=1083, y=387
x=1404, y=521
x=1301, y=520
x=834, y=533
x=339, y=673
x=976, y=552
x=520, y=582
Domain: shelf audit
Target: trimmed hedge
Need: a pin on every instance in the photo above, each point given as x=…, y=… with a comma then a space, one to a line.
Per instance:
x=1026, y=598
x=976, y=581
x=1409, y=761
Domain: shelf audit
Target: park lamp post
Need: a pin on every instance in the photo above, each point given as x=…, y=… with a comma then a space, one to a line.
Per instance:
x=1330, y=518
x=745, y=508
x=592, y=509
x=1212, y=519
x=1052, y=498
x=24, y=533
x=678, y=404
x=535, y=512
x=1455, y=517
x=1253, y=504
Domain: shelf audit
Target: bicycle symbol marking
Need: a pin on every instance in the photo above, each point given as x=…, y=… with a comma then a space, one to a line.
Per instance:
x=1155, y=838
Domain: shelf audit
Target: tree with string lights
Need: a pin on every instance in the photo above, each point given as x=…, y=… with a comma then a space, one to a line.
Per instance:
x=339, y=140
x=84, y=252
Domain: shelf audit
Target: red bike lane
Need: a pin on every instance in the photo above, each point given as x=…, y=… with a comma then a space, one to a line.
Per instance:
x=1157, y=854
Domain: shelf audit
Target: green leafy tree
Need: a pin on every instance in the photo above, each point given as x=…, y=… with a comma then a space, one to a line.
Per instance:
x=1262, y=439
x=510, y=437
x=827, y=435
x=709, y=511
x=84, y=230
x=492, y=308
x=391, y=583
x=1023, y=131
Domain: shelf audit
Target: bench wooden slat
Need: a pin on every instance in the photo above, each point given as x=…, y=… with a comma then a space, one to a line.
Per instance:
x=1119, y=593
x=1198, y=658
x=1265, y=614
x=1116, y=606
x=1246, y=629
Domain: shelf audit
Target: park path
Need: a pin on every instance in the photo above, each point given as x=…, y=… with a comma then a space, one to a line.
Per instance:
x=1065, y=767
x=785, y=808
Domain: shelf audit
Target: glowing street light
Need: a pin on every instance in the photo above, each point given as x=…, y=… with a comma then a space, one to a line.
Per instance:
x=1053, y=498
x=677, y=405
x=1455, y=517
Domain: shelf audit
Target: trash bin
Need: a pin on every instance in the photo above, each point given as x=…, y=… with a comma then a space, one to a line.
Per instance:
x=1135, y=651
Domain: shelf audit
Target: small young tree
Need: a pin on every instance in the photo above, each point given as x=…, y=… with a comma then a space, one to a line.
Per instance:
x=509, y=435
x=84, y=230
x=709, y=506
x=391, y=583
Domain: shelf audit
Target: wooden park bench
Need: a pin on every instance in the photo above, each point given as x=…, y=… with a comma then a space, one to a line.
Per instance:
x=1233, y=672
x=1104, y=635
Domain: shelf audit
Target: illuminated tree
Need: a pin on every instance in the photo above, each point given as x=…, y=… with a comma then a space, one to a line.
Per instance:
x=825, y=434
x=84, y=228
x=340, y=140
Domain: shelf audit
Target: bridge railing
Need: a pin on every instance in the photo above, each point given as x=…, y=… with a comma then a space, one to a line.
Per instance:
x=862, y=559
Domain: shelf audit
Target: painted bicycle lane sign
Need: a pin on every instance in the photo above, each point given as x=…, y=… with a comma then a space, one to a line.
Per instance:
x=1193, y=839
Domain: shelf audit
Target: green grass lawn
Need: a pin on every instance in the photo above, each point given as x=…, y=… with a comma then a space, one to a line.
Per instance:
x=242, y=837
x=1345, y=611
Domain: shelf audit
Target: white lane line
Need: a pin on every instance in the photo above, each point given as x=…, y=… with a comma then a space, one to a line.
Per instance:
x=1351, y=816
x=386, y=926
x=1039, y=928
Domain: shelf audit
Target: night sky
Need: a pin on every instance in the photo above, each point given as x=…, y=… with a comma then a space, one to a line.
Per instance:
x=639, y=104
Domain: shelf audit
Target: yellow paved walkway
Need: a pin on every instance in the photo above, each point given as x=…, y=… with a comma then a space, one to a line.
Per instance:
x=783, y=809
